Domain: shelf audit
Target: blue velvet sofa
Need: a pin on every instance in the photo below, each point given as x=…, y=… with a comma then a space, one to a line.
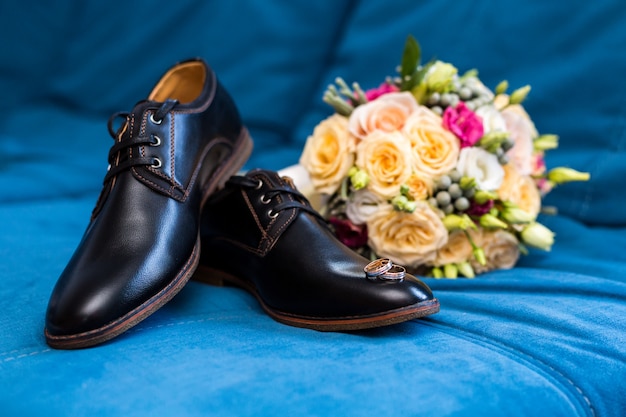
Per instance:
x=545, y=338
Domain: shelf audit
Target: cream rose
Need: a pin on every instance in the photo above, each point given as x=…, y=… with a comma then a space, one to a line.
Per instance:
x=501, y=251
x=481, y=165
x=458, y=249
x=434, y=149
x=521, y=190
x=387, y=113
x=362, y=205
x=328, y=154
x=385, y=157
x=522, y=131
x=409, y=239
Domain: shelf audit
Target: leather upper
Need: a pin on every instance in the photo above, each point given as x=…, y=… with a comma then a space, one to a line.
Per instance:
x=290, y=257
x=143, y=234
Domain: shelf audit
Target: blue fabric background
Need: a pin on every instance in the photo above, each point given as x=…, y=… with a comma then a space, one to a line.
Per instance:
x=546, y=338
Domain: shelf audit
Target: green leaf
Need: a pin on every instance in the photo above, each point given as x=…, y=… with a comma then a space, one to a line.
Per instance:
x=410, y=57
x=414, y=79
x=419, y=75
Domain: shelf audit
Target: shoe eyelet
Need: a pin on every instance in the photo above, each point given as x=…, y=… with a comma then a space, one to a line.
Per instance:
x=157, y=141
x=271, y=214
x=259, y=184
x=156, y=164
x=108, y=167
x=153, y=120
x=265, y=200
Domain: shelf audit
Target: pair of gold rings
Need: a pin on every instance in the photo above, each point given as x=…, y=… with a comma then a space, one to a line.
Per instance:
x=385, y=270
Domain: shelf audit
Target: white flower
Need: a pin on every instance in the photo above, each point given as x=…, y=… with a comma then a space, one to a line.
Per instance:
x=492, y=119
x=362, y=205
x=481, y=165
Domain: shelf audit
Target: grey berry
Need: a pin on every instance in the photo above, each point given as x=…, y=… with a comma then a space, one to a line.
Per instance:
x=443, y=198
x=434, y=98
x=445, y=99
x=465, y=93
x=438, y=110
x=455, y=191
x=444, y=182
x=462, y=204
x=507, y=144
x=455, y=176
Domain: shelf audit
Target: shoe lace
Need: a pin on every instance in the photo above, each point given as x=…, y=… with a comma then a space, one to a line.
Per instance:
x=126, y=141
x=299, y=201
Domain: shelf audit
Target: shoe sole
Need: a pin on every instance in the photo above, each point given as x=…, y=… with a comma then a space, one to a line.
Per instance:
x=216, y=277
x=230, y=166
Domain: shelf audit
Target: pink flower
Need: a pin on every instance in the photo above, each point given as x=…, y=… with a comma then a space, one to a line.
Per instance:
x=539, y=165
x=349, y=234
x=544, y=186
x=539, y=169
x=384, y=88
x=464, y=123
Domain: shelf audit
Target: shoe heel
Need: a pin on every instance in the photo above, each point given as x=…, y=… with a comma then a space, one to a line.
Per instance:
x=241, y=154
x=210, y=276
x=229, y=167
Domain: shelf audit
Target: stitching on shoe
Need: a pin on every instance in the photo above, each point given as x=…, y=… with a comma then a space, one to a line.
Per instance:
x=166, y=191
x=293, y=215
x=172, y=147
x=265, y=237
x=243, y=246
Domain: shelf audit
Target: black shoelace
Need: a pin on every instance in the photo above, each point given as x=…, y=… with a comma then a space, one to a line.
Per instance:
x=115, y=167
x=299, y=202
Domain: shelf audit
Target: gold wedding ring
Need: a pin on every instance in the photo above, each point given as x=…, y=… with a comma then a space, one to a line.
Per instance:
x=377, y=267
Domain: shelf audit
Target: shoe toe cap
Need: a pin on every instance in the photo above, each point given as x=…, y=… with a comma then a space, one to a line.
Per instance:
x=67, y=317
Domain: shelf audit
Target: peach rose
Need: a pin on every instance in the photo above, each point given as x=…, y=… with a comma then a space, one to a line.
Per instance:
x=434, y=149
x=387, y=113
x=328, y=154
x=385, y=157
x=409, y=239
x=501, y=251
x=521, y=190
x=458, y=249
x=522, y=131
x=419, y=188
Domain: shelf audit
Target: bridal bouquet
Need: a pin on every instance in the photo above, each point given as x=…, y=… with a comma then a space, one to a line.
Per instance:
x=433, y=170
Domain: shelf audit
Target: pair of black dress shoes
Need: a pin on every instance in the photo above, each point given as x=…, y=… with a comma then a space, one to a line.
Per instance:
x=171, y=207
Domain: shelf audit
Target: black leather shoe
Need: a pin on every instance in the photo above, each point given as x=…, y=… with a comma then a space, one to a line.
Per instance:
x=261, y=234
x=142, y=244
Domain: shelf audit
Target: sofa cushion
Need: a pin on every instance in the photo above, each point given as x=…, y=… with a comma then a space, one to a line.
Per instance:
x=544, y=338
x=509, y=343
